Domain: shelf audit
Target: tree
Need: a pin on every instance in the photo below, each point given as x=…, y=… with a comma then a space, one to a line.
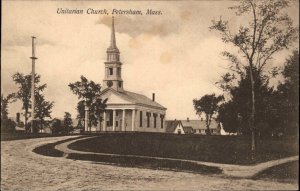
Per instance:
x=68, y=122
x=7, y=125
x=229, y=117
x=4, y=106
x=90, y=92
x=24, y=93
x=287, y=100
x=42, y=109
x=56, y=126
x=240, y=105
x=268, y=32
x=208, y=104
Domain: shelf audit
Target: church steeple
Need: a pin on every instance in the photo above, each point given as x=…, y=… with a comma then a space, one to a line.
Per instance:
x=113, y=45
x=113, y=65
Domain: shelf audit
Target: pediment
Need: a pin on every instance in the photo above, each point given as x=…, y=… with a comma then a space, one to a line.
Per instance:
x=115, y=98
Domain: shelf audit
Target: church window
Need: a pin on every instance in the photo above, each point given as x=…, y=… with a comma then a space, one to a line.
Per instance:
x=162, y=121
x=154, y=116
x=117, y=123
x=120, y=84
x=111, y=71
x=110, y=118
x=141, y=118
x=119, y=71
x=148, y=119
x=117, y=113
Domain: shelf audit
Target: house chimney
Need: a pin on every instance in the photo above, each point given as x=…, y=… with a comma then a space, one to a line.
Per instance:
x=188, y=119
x=153, y=96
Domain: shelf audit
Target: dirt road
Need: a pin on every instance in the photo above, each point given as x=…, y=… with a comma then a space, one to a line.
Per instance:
x=22, y=169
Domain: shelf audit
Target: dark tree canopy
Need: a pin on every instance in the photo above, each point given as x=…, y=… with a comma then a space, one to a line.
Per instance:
x=208, y=104
x=68, y=123
x=42, y=109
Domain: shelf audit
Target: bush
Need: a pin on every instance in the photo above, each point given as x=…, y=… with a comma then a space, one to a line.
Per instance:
x=8, y=126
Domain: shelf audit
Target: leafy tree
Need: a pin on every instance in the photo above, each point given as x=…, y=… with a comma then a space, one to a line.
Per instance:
x=68, y=122
x=90, y=92
x=287, y=97
x=268, y=32
x=80, y=113
x=56, y=126
x=42, y=109
x=4, y=106
x=229, y=117
x=24, y=90
x=7, y=125
x=208, y=104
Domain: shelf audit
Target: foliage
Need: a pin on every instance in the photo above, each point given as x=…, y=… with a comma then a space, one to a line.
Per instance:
x=85, y=89
x=90, y=92
x=286, y=99
x=56, y=126
x=68, y=123
x=4, y=106
x=8, y=126
x=24, y=90
x=42, y=109
x=268, y=32
x=229, y=117
x=208, y=104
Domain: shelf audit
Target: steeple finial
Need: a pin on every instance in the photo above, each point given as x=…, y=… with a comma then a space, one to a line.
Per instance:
x=113, y=36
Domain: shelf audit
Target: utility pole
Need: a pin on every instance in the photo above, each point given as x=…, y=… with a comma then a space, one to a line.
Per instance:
x=33, y=58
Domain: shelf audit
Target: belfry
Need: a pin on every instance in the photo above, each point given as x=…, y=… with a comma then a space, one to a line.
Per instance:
x=113, y=66
x=126, y=111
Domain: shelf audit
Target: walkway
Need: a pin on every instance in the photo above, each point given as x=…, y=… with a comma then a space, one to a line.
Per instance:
x=238, y=171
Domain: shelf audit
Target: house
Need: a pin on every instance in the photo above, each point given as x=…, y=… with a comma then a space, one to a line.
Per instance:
x=192, y=127
x=126, y=111
x=199, y=126
x=176, y=127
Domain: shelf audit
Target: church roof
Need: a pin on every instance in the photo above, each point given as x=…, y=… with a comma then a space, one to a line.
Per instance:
x=136, y=98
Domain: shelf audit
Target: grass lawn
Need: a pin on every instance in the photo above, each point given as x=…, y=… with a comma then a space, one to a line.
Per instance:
x=220, y=149
x=49, y=149
x=288, y=172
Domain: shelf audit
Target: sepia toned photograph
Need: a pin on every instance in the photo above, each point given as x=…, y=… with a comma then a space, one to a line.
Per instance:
x=149, y=95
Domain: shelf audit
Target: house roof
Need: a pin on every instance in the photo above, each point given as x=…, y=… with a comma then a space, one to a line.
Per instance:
x=187, y=129
x=135, y=98
x=171, y=125
x=199, y=124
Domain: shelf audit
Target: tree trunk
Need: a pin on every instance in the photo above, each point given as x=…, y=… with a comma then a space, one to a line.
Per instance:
x=252, y=118
x=26, y=120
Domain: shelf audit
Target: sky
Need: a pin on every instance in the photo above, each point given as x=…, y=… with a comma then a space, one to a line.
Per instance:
x=173, y=55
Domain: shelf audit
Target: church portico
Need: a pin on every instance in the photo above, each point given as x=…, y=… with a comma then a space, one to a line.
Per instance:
x=133, y=119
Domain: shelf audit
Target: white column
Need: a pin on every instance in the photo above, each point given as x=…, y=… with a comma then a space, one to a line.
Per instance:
x=133, y=120
x=114, y=120
x=123, y=120
x=104, y=121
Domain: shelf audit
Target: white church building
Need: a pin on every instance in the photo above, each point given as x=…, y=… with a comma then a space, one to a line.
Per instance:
x=127, y=111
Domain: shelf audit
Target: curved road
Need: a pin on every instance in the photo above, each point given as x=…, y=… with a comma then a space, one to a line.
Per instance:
x=21, y=169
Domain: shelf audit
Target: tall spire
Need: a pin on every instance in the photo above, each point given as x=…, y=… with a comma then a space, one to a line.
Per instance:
x=113, y=45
